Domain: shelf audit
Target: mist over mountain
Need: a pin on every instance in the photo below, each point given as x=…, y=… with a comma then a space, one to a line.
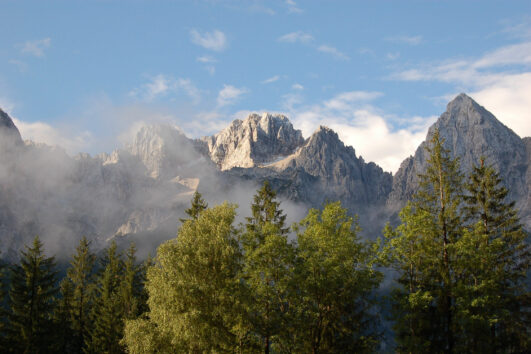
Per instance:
x=139, y=192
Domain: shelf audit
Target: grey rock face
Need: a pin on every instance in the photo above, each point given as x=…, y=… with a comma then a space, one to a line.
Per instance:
x=9, y=133
x=470, y=132
x=256, y=140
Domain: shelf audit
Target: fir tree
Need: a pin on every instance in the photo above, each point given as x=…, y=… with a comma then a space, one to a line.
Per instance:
x=268, y=265
x=131, y=287
x=198, y=206
x=423, y=250
x=107, y=312
x=81, y=281
x=32, y=299
x=64, y=337
x=495, y=303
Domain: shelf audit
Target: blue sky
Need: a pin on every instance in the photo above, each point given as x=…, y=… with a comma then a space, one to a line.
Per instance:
x=84, y=74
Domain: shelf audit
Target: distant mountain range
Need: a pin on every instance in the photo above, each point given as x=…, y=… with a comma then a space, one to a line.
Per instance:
x=140, y=192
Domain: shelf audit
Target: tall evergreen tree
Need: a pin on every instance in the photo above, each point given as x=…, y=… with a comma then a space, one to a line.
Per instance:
x=106, y=314
x=64, y=337
x=131, y=287
x=198, y=206
x=32, y=298
x=80, y=279
x=494, y=308
x=269, y=261
x=423, y=250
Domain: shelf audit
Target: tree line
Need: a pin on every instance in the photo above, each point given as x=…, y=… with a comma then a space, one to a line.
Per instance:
x=459, y=258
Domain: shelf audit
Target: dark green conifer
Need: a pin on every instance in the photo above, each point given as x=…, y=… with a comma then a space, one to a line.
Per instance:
x=32, y=298
x=107, y=311
x=198, y=205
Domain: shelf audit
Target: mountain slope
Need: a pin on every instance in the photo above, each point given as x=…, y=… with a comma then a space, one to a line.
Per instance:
x=471, y=132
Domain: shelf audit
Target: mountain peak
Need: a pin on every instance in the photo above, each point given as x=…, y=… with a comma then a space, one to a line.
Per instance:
x=258, y=139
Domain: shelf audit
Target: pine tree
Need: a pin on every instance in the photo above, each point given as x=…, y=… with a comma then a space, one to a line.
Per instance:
x=198, y=206
x=336, y=279
x=423, y=250
x=64, y=337
x=131, y=287
x=80, y=279
x=3, y=299
x=495, y=303
x=268, y=264
x=32, y=298
x=107, y=312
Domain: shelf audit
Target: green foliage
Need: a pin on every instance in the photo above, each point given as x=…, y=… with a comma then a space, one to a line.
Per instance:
x=462, y=258
x=106, y=314
x=269, y=261
x=336, y=277
x=194, y=290
x=493, y=299
x=32, y=295
x=197, y=207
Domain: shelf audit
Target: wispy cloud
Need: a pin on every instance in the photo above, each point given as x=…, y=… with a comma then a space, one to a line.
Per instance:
x=410, y=40
x=206, y=59
x=229, y=95
x=500, y=79
x=297, y=86
x=41, y=132
x=292, y=7
x=296, y=37
x=271, y=79
x=215, y=40
x=161, y=86
x=333, y=51
x=36, y=47
x=21, y=66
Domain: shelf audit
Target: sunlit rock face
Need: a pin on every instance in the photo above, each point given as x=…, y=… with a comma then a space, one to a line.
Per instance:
x=259, y=139
x=472, y=132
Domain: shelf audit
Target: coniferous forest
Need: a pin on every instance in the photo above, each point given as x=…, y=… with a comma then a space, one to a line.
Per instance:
x=455, y=266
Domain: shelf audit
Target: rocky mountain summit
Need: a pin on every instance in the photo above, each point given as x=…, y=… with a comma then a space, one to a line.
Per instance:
x=140, y=192
x=257, y=140
x=472, y=132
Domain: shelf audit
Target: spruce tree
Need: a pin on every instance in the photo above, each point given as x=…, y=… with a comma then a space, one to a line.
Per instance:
x=423, y=251
x=80, y=277
x=131, y=287
x=495, y=303
x=32, y=298
x=268, y=265
x=64, y=337
x=106, y=313
x=198, y=206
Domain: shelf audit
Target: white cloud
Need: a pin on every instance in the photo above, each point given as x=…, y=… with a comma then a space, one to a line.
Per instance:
x=292, y=7
x=271, y=79
x=6, y=105
x=206, y=59
x=411, y=40
x=211, y=69
x=297, y=86
x=161, y=86
x=500, y=80
x=229, y=95
x=215, y=40
x=333, y=51
x=21, y=66
x=360, y=124
x=44, y=133
x=36, y=47
x=295, y=37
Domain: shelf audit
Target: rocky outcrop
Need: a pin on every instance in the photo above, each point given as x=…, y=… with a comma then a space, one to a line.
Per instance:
x=470, y=132
x=259, y=139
